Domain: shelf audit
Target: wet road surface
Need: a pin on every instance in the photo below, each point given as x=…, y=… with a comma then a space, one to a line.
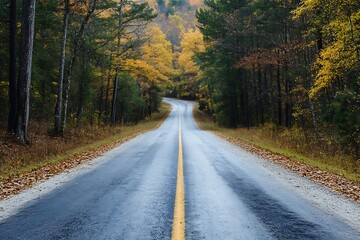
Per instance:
x=131, y=195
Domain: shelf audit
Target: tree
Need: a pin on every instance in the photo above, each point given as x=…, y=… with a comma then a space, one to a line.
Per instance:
x=286, y=64
x=11, y=128
x=59, y=101
x=153, y=69
x=129, y=15
x=27, y=41
x=191, y=44
x=337, y=65
x=90, y=9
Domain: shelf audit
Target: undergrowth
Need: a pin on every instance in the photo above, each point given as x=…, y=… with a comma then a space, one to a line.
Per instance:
x=290, y=143
x=16, y=158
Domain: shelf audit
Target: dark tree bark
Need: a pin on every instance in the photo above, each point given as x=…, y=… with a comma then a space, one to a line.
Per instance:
x=247, y=104
x=27, y=42
x=260, y=97
x=81, y=92
x=107, y=94
x=319, y=40
x=113, y=106
x=11, y=128
x=59, y=101
x=101, y=100
x=279, y=99
x=77, y=45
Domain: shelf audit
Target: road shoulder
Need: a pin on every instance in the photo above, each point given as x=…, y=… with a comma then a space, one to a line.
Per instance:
x=332, y=181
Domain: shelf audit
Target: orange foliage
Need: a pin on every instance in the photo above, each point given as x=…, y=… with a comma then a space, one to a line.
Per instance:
x=261, y=58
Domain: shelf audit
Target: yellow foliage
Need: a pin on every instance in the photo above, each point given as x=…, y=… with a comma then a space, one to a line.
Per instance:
x=306, y=6
x=338, y=21
x=191, y=43
x=195, y=2
x=154, y=67
x=176, y=24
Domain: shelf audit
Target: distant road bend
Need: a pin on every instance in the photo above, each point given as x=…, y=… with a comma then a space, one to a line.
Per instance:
x=179, y=174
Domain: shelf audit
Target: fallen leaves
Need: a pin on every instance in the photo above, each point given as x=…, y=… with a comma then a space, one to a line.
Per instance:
x=334, y=182
x=16, y=184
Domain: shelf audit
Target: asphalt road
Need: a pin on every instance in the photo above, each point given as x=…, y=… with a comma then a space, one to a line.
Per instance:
x=229, y=194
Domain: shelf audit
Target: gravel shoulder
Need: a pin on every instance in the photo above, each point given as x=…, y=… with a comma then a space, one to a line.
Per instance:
x=330, y=192
x=53, y=182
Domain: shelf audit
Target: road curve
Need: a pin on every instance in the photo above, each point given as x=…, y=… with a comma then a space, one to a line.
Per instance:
x=229, y=194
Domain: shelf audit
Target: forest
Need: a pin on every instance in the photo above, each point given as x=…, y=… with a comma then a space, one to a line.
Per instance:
x=80, y=62
x=286, y=67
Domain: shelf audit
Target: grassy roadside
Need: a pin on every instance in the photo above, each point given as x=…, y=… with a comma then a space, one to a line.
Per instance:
x=18, y=160
x=339, y=165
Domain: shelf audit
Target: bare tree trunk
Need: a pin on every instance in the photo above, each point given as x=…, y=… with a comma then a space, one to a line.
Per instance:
x=288, y=105
x=78, y=39
x=211, y=102
x=101, y=101
x=279, y=99
x=113, y=107
x=59, y=101
x=67, y=90
x=27, y=42
x=107, y=92
x=81, y=92
x=11, y=128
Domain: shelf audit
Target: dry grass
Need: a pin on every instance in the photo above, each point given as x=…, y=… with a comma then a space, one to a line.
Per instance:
x=16, y=159
x=290, y=144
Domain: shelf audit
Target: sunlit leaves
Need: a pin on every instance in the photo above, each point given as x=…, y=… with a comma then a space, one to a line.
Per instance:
x=191, y=44
x=154, y=66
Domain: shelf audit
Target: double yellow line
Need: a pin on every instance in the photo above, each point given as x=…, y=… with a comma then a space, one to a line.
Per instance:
x=178, y=228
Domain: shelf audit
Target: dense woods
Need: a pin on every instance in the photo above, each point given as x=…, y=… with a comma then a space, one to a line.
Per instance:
x=288, y=67
x=284, y=65
x=68, y=62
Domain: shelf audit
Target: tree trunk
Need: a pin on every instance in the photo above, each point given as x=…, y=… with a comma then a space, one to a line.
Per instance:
x=67, y=90
x=211, y=102
x=260, y=97
x=107, y=93
x=11, y=128
x=256, y=95
x=113, y=107
x=319, y=40
x=279, y=99
x=78, y=39
x=82, y=88
x=288, y=106
x=101, y=101
x=247, y=104
x=59, y=101
x=27, y=41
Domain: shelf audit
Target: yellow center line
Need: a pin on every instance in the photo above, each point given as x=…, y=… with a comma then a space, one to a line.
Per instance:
x=178, y=228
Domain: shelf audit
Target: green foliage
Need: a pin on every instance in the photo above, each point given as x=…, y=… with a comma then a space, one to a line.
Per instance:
x=92, y=56
x=4, y=59
x=217, y=61
x=130, y=100
x=284, y=64
x=45, y=72
x=344, y=114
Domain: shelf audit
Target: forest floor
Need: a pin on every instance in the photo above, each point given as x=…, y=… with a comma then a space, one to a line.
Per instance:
x=336, y=177
x=23, y=166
